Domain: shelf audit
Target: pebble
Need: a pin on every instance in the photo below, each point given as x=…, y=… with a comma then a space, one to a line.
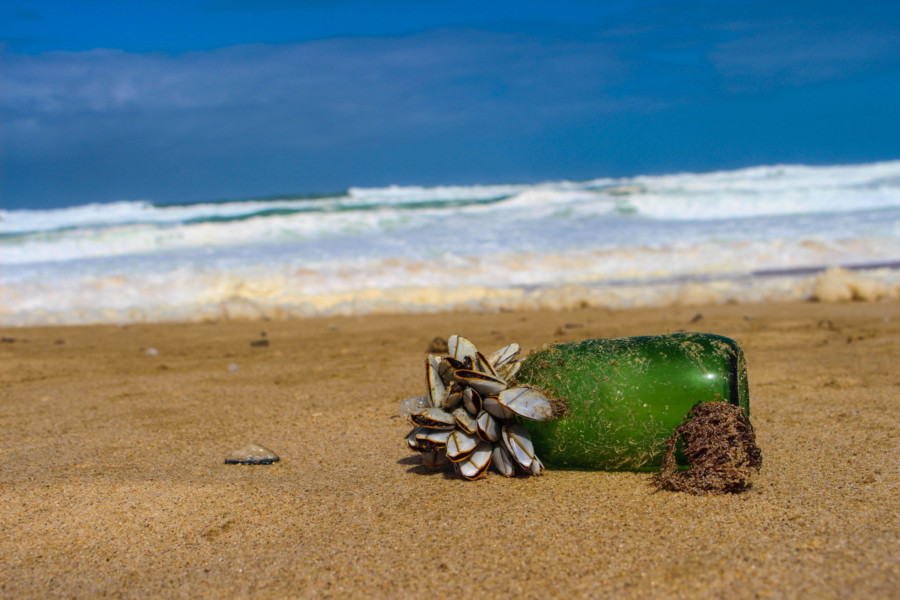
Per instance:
x=232, y=367
x=260, y=343
x=251, y=454
x=438, y=346
x=152, y=352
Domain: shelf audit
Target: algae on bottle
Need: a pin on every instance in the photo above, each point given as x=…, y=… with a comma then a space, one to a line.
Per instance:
x=624, y=397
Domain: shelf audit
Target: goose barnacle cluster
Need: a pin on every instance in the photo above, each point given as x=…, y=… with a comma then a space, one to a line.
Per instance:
x=468, y=416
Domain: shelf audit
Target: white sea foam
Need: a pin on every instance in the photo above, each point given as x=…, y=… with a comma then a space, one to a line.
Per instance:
x=614, y=242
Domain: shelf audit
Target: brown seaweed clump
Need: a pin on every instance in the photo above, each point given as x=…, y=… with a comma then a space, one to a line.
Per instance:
x=720, y=446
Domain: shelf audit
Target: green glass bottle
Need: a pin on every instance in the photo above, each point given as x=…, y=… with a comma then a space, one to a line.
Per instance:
x=625, y=396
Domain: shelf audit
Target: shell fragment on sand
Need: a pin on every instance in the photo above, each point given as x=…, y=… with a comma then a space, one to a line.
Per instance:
x=251, y=454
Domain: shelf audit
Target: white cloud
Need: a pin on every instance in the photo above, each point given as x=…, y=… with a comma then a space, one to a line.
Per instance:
x=312, y=94
x=340, y=73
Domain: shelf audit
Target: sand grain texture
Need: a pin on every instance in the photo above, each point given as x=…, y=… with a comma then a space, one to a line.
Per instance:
x=113, y=482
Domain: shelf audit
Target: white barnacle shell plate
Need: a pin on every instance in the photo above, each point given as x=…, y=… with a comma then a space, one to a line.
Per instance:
x=509, y=371
x=434, y=418
x=435, y=436
x=482, y=383
x=461, y=348
x=487, y=427
x=437, y=390
x=472, y=401
x=502, y=462
x=504, y=355
x=465, y=421
x=527, y=402
x=518, y=442
x=476, y=465
x=483, y=365
x=460, y=445
x=493, y=406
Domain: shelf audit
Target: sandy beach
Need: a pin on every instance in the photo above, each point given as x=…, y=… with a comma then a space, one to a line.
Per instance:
x=113, y=482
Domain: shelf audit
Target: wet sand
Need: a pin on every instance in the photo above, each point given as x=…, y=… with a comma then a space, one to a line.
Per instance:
x=113, y=482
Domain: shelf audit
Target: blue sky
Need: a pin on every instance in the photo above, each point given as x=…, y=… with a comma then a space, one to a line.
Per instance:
x=105, y=100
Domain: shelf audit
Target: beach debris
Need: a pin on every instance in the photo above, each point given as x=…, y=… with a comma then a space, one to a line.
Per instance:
x=152, y=352
x=251, y=454
x=561, y=330
x=720, y=445
x=438, y=346
x=467, y=416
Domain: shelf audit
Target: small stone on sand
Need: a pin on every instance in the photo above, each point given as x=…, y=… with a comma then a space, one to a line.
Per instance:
x=232, y=367
x=438, y=346
x=152, y=352
x=251, y=454
x=259, y=343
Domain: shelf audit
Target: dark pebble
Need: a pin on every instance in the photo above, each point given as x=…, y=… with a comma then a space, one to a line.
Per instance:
x=438, y=346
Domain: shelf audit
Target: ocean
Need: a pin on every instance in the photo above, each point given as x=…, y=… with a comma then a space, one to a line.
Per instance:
x=754, y=234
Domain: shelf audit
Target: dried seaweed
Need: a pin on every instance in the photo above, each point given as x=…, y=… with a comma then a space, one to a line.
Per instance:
x=720, y=445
